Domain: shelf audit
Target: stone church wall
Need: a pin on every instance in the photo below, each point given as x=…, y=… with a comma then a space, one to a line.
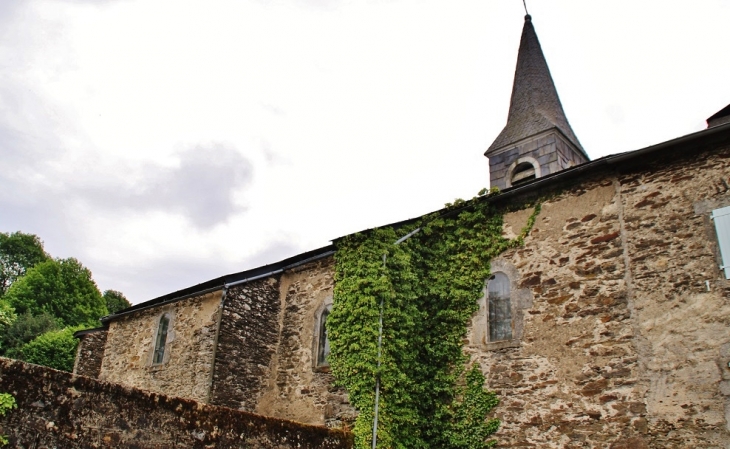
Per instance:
x=296, y=388
x=186, y=369
x=90, y=353
x=680, y=300
x=559, y=380
x=248, y=338
x=618, y=342
x=58, y=409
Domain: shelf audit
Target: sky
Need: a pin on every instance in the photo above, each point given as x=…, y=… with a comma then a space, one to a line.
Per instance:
x=164, y=143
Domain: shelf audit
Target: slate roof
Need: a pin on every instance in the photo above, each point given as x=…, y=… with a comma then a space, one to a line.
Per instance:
x=720, y=117
x=535, y=106
x=223, y=282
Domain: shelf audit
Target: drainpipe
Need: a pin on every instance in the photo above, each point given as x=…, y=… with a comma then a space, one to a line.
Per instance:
x=380, y=344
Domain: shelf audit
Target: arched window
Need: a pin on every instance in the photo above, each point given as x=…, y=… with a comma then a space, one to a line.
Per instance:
x=323, y=347
x=159, y=355
x=500, y=307
x=522, y=173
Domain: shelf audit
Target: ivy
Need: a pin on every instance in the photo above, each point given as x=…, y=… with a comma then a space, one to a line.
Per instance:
x=429, y=285
x=474, y=403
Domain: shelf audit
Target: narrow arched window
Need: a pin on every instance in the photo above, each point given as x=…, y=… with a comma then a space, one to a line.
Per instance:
x=324, y=342
x=522, y=173
x=500, y=307
x=161, y=340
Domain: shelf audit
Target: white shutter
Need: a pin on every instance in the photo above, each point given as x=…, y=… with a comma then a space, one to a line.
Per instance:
x=722, y=226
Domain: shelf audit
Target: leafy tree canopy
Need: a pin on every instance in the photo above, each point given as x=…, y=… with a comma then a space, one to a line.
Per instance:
x=19, y=252
x=115, y=301
x=56, y=349
x=62, y=288
x=40, y=295
x=7, y=315
x=22, y=330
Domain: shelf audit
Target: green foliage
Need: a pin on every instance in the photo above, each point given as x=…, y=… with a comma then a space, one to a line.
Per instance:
x=469, y=430
x=62, y=288
x=429, y=288
x=56, y=349
x=115, y=301
x=24, y=329
x=7, y=403
x=18, y=253
x=7, y=315
x=39, y=295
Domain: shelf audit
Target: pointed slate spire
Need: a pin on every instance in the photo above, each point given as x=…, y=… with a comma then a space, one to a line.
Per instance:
x=535, y=111
x=535, y=106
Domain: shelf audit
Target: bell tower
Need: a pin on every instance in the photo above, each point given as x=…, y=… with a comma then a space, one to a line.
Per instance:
x=537, y=139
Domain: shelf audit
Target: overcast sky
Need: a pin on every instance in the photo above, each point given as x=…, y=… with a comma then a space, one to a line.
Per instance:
x=167, y=142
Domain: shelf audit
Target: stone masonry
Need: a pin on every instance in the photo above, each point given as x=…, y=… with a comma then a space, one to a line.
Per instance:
x=187, y=369
x=626, y=343
x=90, y=353
x=60, y=410
x=297, y=389
x=247, y=341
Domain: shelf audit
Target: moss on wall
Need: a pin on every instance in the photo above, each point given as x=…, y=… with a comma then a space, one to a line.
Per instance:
x=58, y=409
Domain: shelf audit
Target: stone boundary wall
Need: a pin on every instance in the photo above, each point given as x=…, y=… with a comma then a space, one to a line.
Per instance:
x=59, y=409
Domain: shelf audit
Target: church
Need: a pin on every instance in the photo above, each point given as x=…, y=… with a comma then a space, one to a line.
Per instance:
x=609, y=327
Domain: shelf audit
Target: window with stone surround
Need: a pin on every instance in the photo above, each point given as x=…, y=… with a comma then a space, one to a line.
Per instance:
x=499, y=308
x=721, y=217
x=324, y=341
x=158, y=356
x=499, y=323
x=321, y=344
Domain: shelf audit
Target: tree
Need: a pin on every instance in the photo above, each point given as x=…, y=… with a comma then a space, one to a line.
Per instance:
x=22, y=330
x=19, y=252
x=115, y=301
x=62, y=288
x=7, y=318
x=7, y=315
x=56, y=349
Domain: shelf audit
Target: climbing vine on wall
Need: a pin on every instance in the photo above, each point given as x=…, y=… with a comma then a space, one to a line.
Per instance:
x=429, y=285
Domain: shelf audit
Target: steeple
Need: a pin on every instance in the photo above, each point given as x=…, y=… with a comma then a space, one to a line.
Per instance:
x=537, y=139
